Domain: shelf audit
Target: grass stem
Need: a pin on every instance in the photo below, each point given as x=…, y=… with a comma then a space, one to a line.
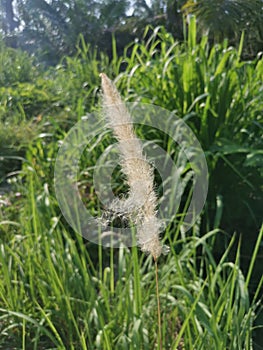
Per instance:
x=160, y=346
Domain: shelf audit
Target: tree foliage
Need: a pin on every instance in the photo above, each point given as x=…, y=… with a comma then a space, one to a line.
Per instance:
x=228, y=18
x=50, y=28
x=53, y=27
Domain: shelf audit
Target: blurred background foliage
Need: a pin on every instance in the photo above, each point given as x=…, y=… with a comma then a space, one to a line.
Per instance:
x=50, y=29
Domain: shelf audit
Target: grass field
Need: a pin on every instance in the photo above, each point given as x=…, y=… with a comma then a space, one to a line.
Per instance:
x=58, y=291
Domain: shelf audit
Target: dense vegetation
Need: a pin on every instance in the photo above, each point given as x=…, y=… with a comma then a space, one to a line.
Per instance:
x=49, y=28
x=60, y=292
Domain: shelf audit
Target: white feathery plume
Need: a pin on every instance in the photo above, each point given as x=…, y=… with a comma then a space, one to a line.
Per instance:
x=142, y=198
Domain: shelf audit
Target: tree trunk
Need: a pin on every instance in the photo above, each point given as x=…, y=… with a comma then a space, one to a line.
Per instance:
x=174, y=19
x=11, y=22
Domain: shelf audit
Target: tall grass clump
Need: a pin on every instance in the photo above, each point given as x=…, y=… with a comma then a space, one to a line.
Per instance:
x=53, y=294
x=221, y=99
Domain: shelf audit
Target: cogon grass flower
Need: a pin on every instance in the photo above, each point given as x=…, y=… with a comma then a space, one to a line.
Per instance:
x=142, y=199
